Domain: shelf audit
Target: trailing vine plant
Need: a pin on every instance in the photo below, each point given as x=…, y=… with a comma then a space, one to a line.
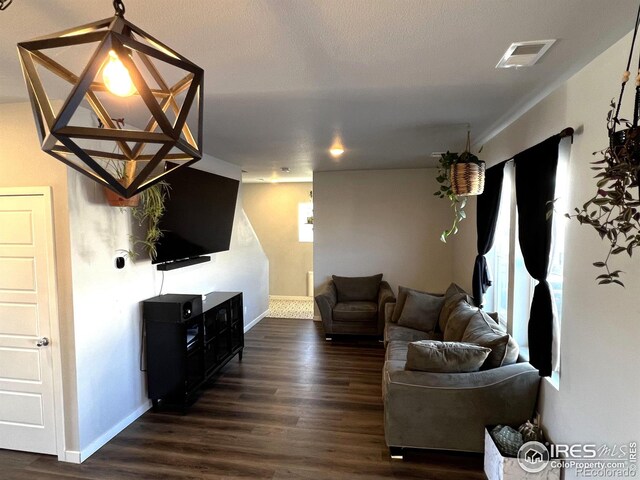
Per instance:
x=457, y=202
x=613, y=211
x=149, y=213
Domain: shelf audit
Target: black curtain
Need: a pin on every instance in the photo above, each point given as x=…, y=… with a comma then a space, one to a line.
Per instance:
x=486, y=220
x=535, y=189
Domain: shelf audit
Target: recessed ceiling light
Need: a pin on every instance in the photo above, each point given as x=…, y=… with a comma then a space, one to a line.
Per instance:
x=337, y=148
x=524, y=54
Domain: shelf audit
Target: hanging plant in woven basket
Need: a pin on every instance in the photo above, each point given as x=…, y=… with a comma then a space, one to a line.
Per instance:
x=614, y=210
x=459, y=175
x=467, y=175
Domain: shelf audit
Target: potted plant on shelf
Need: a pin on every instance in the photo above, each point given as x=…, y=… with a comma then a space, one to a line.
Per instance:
x=125, y=173
x=459, y=175
x=124, y=170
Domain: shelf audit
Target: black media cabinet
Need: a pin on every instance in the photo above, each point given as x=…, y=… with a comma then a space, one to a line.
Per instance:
x=188, y=339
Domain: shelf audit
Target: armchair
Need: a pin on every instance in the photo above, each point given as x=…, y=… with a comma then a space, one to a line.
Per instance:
x=354, y=305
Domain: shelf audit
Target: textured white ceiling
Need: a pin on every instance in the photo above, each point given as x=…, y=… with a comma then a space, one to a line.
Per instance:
x=395, y=79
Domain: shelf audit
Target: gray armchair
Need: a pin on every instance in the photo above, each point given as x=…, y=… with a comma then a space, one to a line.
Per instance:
x=354, y=305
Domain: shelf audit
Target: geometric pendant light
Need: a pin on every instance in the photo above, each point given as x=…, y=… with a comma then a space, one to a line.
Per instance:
x=128, y=116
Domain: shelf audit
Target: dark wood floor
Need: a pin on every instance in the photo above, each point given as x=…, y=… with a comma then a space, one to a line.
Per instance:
x=295, y=407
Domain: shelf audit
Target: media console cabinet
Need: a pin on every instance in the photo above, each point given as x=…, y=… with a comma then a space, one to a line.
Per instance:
x=188, y=338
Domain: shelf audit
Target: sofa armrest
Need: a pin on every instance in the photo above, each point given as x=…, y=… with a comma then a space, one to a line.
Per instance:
x=450, y=411
x=385, y=296
x=326, y=300
x=388, y=311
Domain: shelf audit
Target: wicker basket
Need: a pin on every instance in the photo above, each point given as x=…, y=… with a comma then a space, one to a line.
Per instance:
x=467, y=178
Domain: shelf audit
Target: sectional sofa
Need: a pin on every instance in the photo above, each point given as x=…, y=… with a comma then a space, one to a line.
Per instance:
x=448, y=411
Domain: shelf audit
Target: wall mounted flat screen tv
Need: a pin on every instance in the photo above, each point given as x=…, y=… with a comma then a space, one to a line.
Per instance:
x=199, y=215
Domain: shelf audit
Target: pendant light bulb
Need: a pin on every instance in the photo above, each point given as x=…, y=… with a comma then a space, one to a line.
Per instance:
x=116, y=77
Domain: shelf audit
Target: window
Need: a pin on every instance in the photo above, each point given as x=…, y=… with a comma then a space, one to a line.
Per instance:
x=497, y=296
x=512, y=289
x=522, y=293
x=305, y=222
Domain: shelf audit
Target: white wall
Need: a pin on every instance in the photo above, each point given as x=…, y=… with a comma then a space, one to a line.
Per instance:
x=381, y=221
x=599, y=390
x=111, y=387
x=24, y=164
x=272, y=209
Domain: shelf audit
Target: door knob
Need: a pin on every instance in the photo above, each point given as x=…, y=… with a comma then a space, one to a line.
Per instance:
x=43, y=342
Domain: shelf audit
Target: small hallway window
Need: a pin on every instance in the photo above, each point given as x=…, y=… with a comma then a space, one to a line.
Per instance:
x=305, y=222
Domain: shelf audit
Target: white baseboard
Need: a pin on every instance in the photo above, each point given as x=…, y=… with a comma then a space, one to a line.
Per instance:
x=254, y=322
x=102, y=440
x=70, y=456
x=289, y=297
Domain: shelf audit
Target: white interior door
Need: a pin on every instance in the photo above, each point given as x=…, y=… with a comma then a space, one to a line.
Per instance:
x=27, y=275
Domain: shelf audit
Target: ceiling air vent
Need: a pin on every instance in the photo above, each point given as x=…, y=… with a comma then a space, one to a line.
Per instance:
x=524, y=54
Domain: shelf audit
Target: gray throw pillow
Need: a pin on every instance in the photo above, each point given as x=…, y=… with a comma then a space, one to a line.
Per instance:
x=482, y=330
x=354, y=289
x=402, y=298
x=499, y=319
x=452, y=296
x=458, y=321
x=421, y=311
x=445, y=357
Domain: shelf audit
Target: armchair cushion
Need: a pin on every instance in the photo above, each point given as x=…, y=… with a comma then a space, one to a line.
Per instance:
x=355, y=311
x=350, y=289
x=421, y=311
x=445, y=357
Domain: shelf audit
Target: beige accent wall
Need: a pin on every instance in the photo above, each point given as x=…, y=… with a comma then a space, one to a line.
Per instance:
x=273, y=211
x=597, y=398
x=23, y=164
x=382, y=221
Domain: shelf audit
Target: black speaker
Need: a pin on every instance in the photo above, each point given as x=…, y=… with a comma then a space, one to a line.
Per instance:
x=172, y=307
x=168, y=319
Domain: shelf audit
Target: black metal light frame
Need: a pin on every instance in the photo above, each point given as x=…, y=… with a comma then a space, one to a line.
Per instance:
x=175, y=142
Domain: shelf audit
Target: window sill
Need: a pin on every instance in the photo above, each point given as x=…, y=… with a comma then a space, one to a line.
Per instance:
x=554, y=380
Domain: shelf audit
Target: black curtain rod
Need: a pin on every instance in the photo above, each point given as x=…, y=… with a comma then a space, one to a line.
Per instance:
x=567, y=132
